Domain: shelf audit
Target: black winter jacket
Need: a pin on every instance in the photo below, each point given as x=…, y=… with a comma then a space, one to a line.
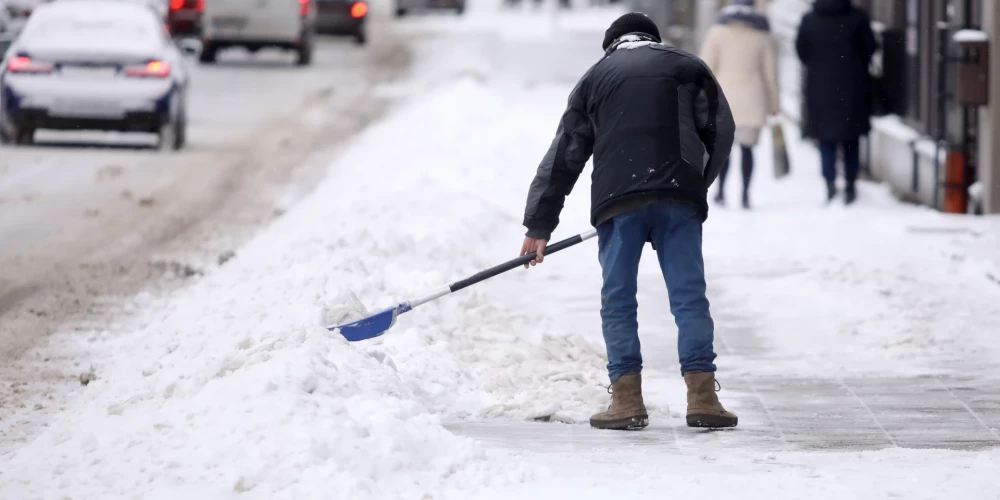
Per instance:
x=657, y=124
x=835, y=44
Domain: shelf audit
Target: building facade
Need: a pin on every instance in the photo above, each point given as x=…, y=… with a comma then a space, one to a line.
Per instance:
x=936, y=137
x=936, y=86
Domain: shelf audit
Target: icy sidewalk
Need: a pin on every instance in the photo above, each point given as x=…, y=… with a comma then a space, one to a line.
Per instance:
x=851, y=341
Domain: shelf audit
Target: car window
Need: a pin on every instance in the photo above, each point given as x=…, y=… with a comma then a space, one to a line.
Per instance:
x=123, y=31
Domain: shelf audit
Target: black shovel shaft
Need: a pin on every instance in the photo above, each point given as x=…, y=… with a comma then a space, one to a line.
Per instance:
x=518, y=262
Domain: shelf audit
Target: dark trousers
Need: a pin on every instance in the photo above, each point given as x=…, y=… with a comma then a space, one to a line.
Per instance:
x=746, y=159
x=852, y=159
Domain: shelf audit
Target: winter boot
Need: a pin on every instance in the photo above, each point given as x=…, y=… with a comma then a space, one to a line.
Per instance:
x=626, y=412
x=720, y=199
x=704, y=409
x=746, y=200
x=850, y=194
x=831, y=190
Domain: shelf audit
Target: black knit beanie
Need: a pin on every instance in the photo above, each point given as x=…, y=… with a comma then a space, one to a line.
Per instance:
x=633, y=22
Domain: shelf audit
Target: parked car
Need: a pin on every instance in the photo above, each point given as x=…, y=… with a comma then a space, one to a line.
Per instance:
x=405, y=6
x=97, y=65
x=285, y=24
x=342, y=17
x=6, y=19
x=184, y=17
x=17, y=12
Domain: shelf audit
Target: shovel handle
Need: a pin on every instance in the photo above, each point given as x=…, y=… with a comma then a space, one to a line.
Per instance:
x=520, y=261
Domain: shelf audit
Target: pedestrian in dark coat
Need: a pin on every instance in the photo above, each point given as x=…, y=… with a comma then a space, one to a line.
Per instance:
x=835, y=44
x=660, y=130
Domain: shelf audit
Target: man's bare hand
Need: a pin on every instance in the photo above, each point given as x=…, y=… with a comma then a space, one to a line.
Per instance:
x=534, y=245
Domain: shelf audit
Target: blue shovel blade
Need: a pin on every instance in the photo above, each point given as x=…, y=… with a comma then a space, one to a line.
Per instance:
x=371, y=326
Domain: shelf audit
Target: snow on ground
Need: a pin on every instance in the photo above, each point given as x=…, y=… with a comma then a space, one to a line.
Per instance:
x=888, y=287
x=234, y=388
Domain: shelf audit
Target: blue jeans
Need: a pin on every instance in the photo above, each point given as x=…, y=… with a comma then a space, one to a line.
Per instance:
x=674, y=228
x=852, y=159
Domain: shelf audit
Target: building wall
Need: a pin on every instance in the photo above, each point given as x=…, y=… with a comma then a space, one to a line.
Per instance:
x=989, y=118
x=899, y=151
x=895, y=154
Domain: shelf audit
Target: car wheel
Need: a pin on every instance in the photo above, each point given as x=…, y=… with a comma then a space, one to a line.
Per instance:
x=167, y=140
x=180, y=131
x=208, y=53
x=24, y=136
x=400, y=12
x=305, y=53
x=360, y=38
x=460, y=9
x=5, y=138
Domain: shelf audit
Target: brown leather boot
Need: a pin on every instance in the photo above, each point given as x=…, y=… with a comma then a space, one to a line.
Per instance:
x=704, y=409
x=626, y=412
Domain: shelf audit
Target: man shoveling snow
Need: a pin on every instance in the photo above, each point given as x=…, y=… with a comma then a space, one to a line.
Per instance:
x=660, y=130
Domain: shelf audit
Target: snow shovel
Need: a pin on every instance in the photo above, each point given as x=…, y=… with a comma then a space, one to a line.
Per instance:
x=376, y=324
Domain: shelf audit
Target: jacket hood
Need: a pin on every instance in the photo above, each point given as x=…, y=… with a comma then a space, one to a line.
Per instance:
x=831, y=7
x=743, y=14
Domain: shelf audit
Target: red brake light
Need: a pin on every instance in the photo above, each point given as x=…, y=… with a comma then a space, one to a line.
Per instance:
x=359, y=9
x=200, y=5
x=304, y=7
x=176, y=4
x=24, y=64
x=152, y=69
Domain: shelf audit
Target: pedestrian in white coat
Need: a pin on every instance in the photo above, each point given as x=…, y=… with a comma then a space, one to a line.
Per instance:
x=739, y=51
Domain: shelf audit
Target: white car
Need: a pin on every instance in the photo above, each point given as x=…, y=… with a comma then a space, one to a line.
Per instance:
x=94, y=65
x=255, y=24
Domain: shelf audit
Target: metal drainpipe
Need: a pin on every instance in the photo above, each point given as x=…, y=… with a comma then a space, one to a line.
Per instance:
x=970, y=142
x=941, y=59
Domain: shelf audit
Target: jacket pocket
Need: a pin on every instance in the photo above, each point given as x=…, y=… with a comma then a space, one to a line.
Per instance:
x=693, y=152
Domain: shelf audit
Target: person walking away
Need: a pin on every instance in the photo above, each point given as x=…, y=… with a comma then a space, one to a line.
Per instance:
x=835, y=44
x=739, y=51
x=659, y=129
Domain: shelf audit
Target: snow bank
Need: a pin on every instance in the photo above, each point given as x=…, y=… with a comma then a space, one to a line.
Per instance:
x=970, y=36
x=233, y=386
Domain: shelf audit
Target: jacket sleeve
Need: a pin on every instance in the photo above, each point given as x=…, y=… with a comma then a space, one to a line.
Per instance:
x=715, y=124
x=802, y=40
x=868, y=43
x=561, y=166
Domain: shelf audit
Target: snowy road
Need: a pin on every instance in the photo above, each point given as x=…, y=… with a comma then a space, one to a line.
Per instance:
x=89, y=218
x=858, y=346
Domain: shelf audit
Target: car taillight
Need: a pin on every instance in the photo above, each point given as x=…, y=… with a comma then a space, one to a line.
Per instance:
x=359, y=9
x=200, y=6
x=176, y=4
x=24, y=64
x=152, y=69
x=304, y=6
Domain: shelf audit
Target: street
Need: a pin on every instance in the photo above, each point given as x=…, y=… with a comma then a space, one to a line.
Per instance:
x=191, y=292
x=91, y=218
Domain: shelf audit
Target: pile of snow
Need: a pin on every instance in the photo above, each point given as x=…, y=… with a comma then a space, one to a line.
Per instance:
x=235, y=386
